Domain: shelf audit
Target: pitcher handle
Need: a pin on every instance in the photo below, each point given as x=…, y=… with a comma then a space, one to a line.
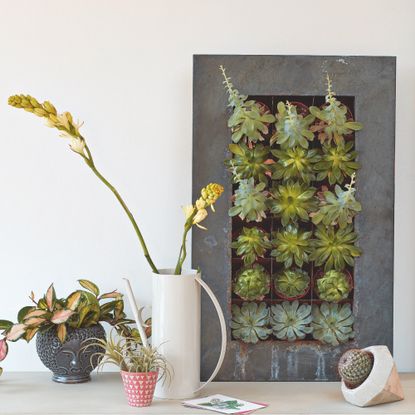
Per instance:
x=222, y=328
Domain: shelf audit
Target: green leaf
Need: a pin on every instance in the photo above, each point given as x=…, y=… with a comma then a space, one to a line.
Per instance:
x=235, y=149
x=90, y=286
x=5, y=324
x=22, y=313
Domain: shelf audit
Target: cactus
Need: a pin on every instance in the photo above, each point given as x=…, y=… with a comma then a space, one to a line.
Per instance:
x=333, y=286
x=292, y=283
x=355, y=366
x=249, y=322
x=252, y=284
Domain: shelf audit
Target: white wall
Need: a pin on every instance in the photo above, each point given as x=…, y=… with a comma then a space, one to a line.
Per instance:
x=125, y=68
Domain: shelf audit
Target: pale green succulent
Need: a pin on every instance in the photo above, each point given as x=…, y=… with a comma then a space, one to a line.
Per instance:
x=251, y=244
x=292, y=129
x=249, y=162
x=252, y=283
x=337, y=163
x=338, y=208
x=293, y=201
x=334, y=123
x=333, y=286
x=295, y=163
x=248, y=120
x=332, y=323
x=291, y=245
x=249, y=322
x=334, y=248
x=250, y=201
x=290, y=320
x=292, y=283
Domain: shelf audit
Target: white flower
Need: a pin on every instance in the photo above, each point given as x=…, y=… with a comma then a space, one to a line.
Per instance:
x=188, y=211
x=77, y=145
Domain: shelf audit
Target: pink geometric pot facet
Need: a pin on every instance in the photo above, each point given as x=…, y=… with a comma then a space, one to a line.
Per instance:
x=139, y=387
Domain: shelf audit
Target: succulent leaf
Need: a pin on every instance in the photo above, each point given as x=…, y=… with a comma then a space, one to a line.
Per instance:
x=332, y=323
x=290, y=320
x=333, y=286
x=292, y=283
x=291, y=245
x=253, y=283
x=249, y=322
x=251, y=244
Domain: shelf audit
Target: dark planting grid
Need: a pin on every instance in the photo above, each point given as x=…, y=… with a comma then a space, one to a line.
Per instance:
x=272, y=223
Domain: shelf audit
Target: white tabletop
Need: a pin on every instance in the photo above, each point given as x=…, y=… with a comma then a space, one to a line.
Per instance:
x=33, y=393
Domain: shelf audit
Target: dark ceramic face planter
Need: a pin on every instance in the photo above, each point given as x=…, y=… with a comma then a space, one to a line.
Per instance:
x=72, y=361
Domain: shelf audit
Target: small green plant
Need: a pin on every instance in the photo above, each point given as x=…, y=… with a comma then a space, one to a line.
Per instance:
x=295, y=163
x=249, y=162
x=334, y=124
x=249, y=322
x=290, y=320
x=337, y=163
x=334, y=248
x=338, y=208
x=250, y=201
x=253, y=283
x=291, y=128
x=355, y=366
x=333, y=286
x=251, y=244
x=332, y=323
x=249, y=120
x=291, y=245
x=293, y=201
x=292, y=283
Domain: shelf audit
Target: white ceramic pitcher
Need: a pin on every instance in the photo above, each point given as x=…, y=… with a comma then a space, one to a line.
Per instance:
x=176, y=330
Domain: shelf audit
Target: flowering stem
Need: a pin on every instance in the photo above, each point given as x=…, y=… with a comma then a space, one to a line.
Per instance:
x=89, y=160
x=183, y=251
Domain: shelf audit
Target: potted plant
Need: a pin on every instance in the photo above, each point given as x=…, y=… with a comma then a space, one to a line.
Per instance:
x=292, y=284
x=252, y=283
x=334, y=286
x=141, y=366
x=63, y=326
x=251, y=244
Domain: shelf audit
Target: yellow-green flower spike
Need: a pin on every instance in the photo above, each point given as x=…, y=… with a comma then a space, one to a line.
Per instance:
x=211, y=193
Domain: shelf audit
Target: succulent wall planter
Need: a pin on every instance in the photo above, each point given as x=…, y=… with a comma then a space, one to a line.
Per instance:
x=303, y=202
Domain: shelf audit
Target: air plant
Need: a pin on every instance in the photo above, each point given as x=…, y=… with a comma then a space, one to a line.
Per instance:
x=251, y=244
x=252, y=283
x=337, y=163
x=250, y=201
x=249, y=120
x=333, y=286
x=332, y=323
x=249, y=322
x=290, y=320
x=292, y=283
x=333, y=124
x=334, y=248
x=291, y=245
x=249, y=162
x=293, y=201
x=338, y=208
x=295, y=163
x=292, y=129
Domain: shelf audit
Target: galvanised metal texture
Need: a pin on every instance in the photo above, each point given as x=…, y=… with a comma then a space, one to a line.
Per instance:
x=371, y=80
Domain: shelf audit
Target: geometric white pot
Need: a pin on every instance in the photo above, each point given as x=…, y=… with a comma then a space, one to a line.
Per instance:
x=176, y=310
x=381, y=386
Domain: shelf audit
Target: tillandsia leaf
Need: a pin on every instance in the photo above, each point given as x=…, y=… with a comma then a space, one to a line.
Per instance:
x=332, y=323
x=292, y=129
x=250, y=201
x=293, y=201
x=334, y=124
x=90, y=286
x=249, y=119
x=295, y=163
x=292, y=283
x=252, y=283
x=290, y=320
x=291, y=246
x=337, y=163
x=251, y=244
x=338, y=208
x=249, y=322
x=249, y=162
x=333, y=286
x=334, y=248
